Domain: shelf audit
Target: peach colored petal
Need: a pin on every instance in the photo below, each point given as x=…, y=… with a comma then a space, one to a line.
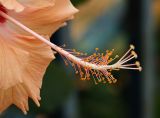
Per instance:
x=24, y=60
x=37, y=3
x=18, y=5
x=12, y=5
x=11, y=58
x=46, y=20
x=14, y=95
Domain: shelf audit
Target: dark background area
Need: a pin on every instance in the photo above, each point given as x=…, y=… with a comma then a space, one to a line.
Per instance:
x=135, y=95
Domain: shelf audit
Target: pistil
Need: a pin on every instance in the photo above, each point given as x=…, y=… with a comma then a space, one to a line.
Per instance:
x=95, y=66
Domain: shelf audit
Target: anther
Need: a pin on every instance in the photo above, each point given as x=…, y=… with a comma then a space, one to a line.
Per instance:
x=96, y=49
x=140, y=69
x=132, y=47
x=64, y=45
x=137, y=63
x=134, y=54
x=117, y=56
x=115, y=81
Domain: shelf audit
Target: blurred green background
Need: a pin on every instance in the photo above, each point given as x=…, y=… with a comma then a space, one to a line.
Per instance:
x=105, y=24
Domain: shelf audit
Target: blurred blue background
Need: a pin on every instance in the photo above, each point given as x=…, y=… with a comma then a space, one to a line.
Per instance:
x=106, y=24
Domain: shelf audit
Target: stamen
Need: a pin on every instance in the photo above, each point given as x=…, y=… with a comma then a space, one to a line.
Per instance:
x=113, y=59
x=95, y=66
x=137, y=63
x=131, y=48
x=126, y=58
x=130, y=65
x=139, y=68
x=134, y=55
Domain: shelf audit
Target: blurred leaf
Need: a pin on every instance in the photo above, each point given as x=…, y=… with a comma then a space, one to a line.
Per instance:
x=102, y=101
x=77, y=2
x=56, y=88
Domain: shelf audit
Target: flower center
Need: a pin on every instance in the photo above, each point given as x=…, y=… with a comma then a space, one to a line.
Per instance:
x=2, y=19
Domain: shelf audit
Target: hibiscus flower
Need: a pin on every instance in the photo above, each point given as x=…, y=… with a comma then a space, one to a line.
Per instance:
x=24, y=59
x=26, y=52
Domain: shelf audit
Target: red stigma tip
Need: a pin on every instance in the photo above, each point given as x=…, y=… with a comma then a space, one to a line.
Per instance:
x=2, y=19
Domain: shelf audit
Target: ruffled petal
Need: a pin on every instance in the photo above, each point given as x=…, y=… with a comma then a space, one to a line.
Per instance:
x=37, y=3
x=14, y=95
x=45, y=20
x=11, y=60
x=23, y=62
x=18, y=5
x=24, y=58
x=12, y=5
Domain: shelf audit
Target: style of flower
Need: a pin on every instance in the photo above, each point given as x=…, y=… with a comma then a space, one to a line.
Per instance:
x=24, y=58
